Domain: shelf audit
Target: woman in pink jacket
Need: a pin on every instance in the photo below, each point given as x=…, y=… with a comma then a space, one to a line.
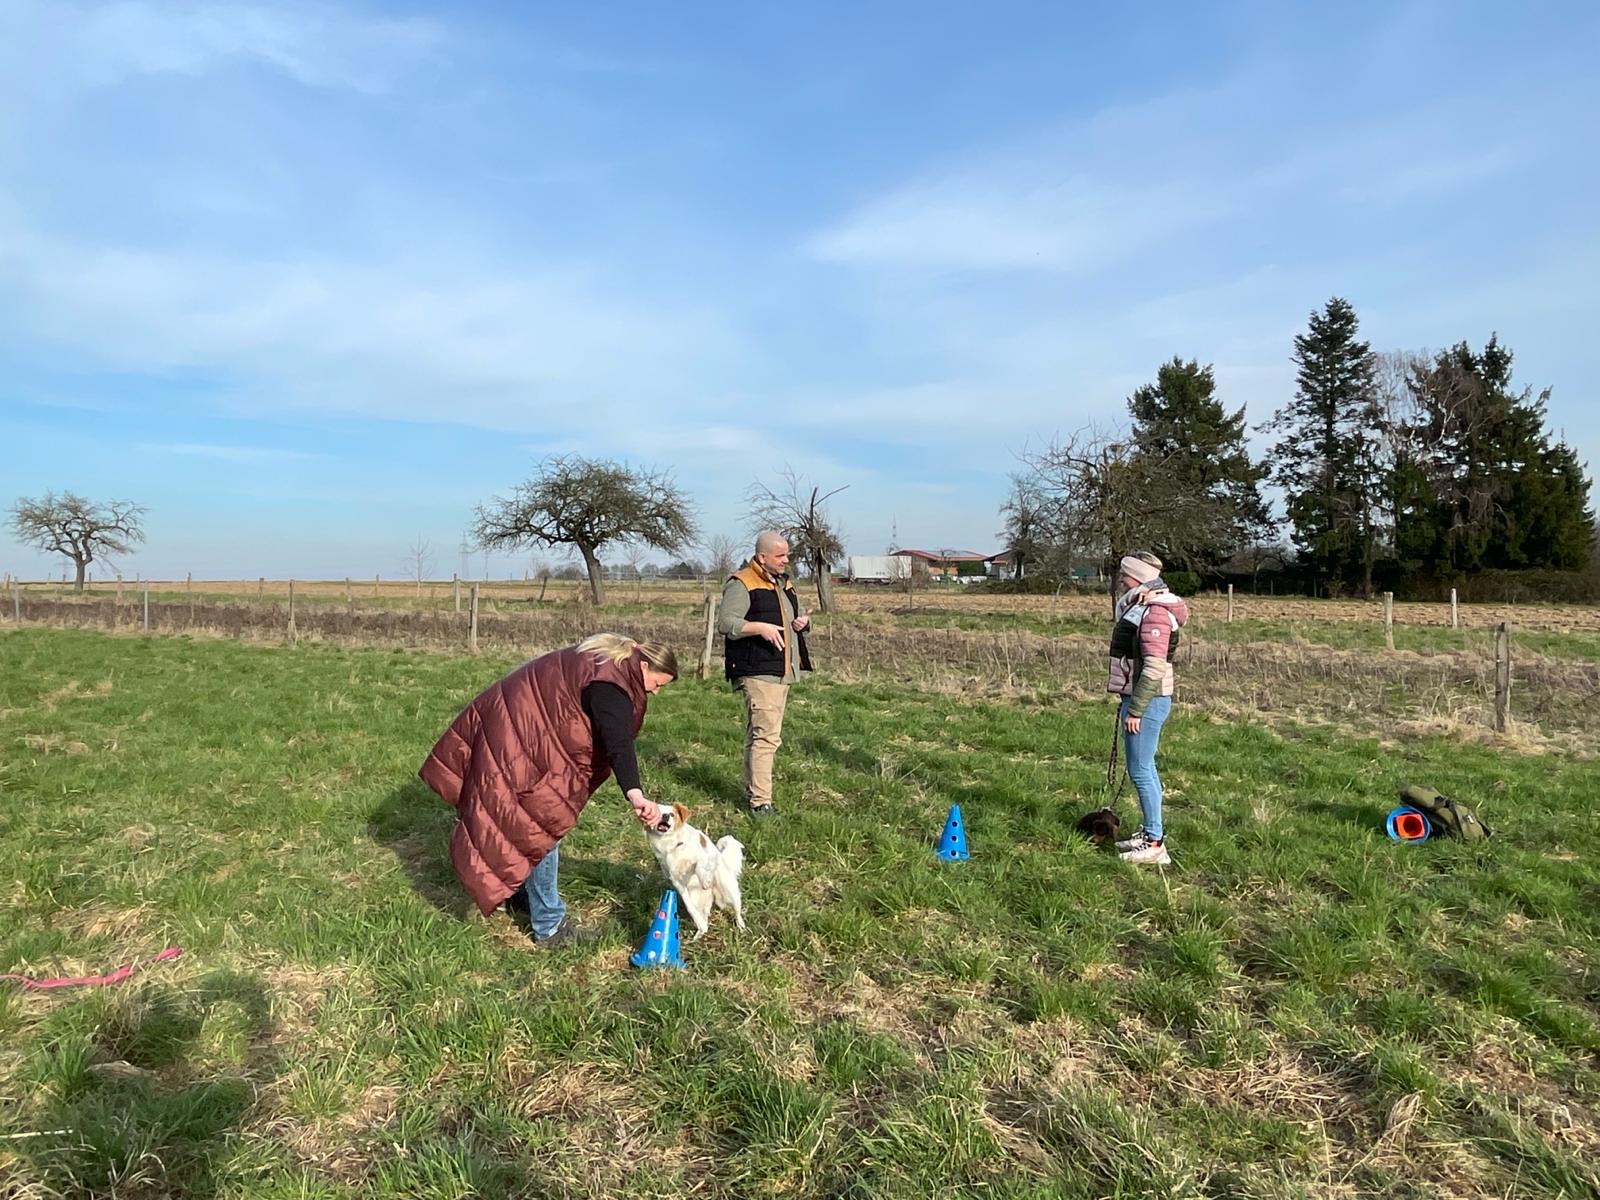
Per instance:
x=1144, y=637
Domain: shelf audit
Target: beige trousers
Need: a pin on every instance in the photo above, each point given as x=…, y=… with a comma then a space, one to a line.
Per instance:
x=763, y=734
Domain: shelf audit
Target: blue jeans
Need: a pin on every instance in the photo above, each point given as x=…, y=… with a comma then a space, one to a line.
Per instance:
x=545, y=907
x=1139, y=749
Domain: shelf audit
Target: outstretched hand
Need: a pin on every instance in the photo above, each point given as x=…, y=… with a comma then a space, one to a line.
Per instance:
x=649, y=813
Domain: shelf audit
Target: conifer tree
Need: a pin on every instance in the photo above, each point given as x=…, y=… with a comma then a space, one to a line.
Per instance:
x=1191, y=457
x=1499, y=494
x=1325, y=461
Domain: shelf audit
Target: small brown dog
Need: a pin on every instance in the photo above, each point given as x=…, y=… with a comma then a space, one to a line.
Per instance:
x=1100, y=826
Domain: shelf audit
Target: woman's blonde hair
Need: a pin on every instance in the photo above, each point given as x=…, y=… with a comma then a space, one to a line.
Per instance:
x=616, y=647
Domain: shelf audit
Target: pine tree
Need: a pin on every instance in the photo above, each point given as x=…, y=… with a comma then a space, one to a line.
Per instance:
x=1204, y=496
x=1326, y=461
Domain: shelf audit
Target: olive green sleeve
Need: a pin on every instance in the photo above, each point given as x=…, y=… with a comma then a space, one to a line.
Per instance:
x=1152, y=673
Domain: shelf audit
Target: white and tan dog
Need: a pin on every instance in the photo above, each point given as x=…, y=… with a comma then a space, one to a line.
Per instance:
x=704, y=872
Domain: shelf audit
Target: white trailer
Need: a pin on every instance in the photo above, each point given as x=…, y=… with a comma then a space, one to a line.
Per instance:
x=878, y=568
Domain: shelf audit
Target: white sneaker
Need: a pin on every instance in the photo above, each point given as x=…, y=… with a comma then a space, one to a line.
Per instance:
x=1137, y=842
x=1154, y=853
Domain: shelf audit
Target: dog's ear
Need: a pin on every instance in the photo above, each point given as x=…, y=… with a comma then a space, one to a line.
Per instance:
x=681, y=813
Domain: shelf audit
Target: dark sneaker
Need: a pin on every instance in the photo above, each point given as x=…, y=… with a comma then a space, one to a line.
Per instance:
x=568, y=933
x=517, y=903
x=761, y=811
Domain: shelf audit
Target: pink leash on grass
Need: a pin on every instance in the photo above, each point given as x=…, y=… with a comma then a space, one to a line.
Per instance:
x=117, y=976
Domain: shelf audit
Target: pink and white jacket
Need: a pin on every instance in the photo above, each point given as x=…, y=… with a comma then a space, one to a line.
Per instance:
x=1144, y=637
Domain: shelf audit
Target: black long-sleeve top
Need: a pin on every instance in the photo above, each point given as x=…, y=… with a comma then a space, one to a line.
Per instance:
x=611, y=716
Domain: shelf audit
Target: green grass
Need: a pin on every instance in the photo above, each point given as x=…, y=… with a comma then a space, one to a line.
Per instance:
x=1297, y=1007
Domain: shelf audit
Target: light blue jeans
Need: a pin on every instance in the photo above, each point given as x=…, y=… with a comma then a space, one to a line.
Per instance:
x=545, y=907
x=1139, y=749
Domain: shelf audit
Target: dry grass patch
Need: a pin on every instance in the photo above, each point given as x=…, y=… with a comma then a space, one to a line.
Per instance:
x=91, y=921
x=73, y=690
x=53, y=743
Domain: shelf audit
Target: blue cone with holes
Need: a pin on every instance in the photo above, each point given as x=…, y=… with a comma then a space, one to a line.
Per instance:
x=660, y=948
x=953, y=843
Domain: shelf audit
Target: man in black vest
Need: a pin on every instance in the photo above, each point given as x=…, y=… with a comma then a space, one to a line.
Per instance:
x=765, y=652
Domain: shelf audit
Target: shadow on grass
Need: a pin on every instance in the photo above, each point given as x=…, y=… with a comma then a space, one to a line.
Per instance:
x=415, y=824
x=720, y=784
x=132, y=1113
x=1364, y=817
x=850, y=758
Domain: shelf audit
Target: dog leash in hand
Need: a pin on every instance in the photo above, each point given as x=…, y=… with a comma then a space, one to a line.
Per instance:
x=117, y=976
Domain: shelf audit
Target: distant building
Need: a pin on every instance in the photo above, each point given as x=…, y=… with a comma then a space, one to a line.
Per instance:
x=953, y=564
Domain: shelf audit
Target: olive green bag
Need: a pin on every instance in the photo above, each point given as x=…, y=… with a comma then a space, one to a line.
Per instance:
x=1444, y=815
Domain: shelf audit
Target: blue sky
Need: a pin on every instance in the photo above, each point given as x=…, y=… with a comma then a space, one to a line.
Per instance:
x=310, y=281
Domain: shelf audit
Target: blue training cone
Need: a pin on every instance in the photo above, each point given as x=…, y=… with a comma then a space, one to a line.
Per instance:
x=660, y=948
x=1406, y=824
x=953, y=843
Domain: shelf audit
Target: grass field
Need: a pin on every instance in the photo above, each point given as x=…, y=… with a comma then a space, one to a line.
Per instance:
x=1298, y=1007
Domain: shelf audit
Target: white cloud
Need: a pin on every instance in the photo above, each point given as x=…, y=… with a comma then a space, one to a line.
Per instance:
x=235, y=454
x=1163, y=177
x=425, y=337
x=58, y=46
x=998, y=220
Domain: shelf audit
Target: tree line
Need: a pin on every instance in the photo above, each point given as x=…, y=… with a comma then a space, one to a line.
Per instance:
x=1398, y=467
x=1401, y=467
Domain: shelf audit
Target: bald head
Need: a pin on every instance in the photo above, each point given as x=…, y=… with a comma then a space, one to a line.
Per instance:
x=772, y=552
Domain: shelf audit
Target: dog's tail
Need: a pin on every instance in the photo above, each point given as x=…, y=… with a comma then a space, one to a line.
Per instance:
x=731, y=850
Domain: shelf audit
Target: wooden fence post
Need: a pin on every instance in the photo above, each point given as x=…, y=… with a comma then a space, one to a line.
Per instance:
x=1502, y=677
x=1388, y=620
x=147, y=606
x=294, y=634
x=472, y=627
x=711, y=628
x=1230, y=604
x=349, y=597
x=1455, y=621
x=455, y=586
x=374, y=587
x=261, y=587
x=119, y=587
x=189, y=587
x=16, y=602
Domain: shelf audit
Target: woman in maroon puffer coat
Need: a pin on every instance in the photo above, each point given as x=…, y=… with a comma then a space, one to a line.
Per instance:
x=520, y=762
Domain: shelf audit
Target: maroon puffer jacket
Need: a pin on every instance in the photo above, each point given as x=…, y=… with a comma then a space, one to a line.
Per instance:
x=519, y=764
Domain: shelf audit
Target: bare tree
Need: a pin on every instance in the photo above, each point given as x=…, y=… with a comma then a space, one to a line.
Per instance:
x=633, y=559
x=722, y=556
x=800, y=514
x=539, y=569
x=418, y=560
x=1088, y=499
x=587, y=504
x=80, y=529
x=1259, y=555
